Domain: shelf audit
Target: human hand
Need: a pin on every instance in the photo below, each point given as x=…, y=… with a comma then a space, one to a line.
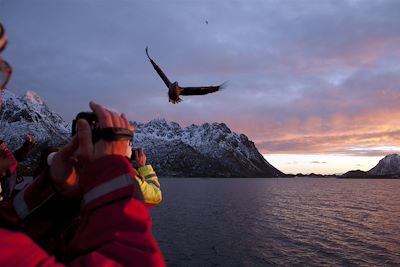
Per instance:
x=140, y=157
x=69, y=162
x=62, y=169
x=29, y=138
x=107, y=119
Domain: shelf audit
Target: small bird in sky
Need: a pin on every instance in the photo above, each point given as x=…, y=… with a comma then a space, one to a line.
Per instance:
x=206, y=21
x=174, y=90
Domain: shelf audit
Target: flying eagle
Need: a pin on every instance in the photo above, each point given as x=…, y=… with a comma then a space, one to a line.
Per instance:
x=174, y=90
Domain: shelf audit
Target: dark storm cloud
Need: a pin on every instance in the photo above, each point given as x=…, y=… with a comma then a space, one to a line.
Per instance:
x=299, y=72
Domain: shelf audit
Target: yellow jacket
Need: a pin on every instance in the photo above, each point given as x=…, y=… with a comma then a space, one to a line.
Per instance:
x=149, y=184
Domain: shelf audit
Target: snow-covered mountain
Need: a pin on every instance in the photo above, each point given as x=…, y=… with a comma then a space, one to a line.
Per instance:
x=29, y=114
x=389, y=165
x=209, y=150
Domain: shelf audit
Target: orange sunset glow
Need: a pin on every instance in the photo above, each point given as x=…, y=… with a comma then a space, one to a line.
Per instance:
x=319, y=80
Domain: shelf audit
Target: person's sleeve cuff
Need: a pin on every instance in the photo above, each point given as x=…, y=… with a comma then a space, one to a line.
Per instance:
x=147, y=172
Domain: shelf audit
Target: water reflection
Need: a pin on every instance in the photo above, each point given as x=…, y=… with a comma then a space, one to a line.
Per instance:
x=279, y=222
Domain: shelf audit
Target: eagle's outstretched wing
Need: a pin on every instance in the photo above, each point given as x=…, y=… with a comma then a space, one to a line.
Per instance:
x=158, y=70
x=201, y=90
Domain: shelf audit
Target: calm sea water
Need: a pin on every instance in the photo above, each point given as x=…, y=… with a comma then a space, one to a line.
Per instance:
x=279, y=222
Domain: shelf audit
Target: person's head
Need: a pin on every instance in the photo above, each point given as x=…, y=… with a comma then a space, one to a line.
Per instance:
x=5, y=68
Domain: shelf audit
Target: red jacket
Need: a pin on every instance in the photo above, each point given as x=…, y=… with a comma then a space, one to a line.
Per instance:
x=113, y=227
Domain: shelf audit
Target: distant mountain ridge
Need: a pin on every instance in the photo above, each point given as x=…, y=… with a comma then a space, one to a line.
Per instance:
x=387, y=167
x=211, y=147
x=209, y=150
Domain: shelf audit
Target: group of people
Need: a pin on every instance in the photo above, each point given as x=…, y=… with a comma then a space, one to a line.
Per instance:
x=87, y=206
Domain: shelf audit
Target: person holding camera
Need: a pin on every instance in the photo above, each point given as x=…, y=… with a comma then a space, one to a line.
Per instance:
x=112, y=227
x=145, y=176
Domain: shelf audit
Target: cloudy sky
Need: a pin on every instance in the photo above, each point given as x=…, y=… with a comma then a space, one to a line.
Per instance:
x=309, y=81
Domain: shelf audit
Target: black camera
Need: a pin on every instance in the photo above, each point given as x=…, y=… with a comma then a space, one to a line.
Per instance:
x=108, y=134
x=93, y=121
x=133, y=157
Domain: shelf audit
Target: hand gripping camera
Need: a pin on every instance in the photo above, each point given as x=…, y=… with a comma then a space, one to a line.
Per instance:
x=108, y=134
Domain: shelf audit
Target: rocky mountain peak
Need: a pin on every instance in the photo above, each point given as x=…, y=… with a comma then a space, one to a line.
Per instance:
x=33, y=98
x=214, y=149
x=390, y=164
x=393, y=156
x=29, y=114
x=158, y=122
